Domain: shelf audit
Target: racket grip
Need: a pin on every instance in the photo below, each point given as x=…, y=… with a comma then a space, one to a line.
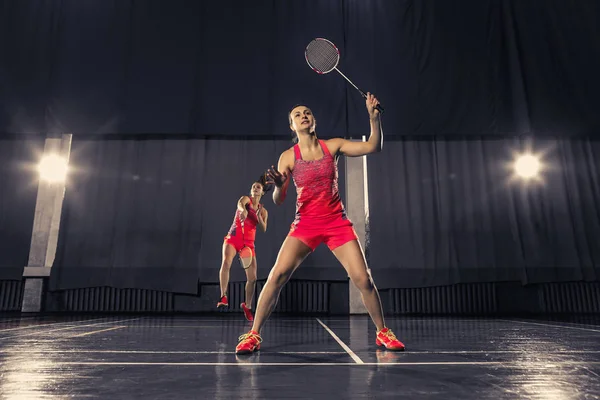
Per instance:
x=378, y=106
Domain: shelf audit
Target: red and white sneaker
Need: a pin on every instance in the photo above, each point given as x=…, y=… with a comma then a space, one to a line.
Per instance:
x=249, y=343
x=387, y=339
x=223, y=302
x=247, y=312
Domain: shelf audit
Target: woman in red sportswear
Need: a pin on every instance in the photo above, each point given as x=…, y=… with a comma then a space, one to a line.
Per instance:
x=251, y=213
x=320, y=218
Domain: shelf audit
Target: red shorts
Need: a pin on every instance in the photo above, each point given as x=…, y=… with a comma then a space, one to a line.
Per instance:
x=333, y=233
x=238, y=243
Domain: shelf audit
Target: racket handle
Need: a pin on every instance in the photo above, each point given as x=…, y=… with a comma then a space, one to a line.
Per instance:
x=378, y=106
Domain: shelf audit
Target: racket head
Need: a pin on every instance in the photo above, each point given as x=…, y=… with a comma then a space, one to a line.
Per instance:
x=246, y=257
x=321, y=55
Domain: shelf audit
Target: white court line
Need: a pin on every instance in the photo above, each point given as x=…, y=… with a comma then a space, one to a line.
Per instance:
x=317, y=364
x=508, y=352
x=577, y=324
x=591, y=372
x=161, y=352
x=26, y=351
x=63, y=329
x=348, y=349
x=551, y=325
x=413, y=319
x=94, y=332
x=175, y=326
x=50, y=324
x=233, y=318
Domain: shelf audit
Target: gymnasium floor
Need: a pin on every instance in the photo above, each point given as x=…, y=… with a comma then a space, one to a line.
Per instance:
x=181, y=357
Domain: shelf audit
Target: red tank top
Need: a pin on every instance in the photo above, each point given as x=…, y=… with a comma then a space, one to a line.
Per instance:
x=317, y=187
x=249, y=232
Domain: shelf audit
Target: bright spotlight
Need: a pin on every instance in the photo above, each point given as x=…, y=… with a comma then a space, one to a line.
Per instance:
x=527, y=166
x=53, y=168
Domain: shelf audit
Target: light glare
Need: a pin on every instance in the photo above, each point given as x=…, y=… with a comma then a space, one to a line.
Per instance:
x=53, y=168
x=527, y=166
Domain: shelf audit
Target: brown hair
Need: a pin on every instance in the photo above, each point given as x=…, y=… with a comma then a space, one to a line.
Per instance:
x=263, y=182
x=294, y=134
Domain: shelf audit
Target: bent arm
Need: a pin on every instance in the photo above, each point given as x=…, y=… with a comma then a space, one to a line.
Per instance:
x=242, y=202
x=356, y=149
x=280, y=193
x=262, y=219
x=284, y=166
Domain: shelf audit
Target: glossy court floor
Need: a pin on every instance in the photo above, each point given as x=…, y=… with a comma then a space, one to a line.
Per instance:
x=192, y=357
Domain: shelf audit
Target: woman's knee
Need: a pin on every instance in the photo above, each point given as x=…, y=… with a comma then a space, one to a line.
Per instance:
x=363, y=282
x=226, y=264
x=251, y=273
x=279, y=277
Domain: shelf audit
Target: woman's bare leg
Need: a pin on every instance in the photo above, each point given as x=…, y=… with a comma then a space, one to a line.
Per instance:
x=351, y=256
x=292, y=253
x=251, y=282
x=228, y=254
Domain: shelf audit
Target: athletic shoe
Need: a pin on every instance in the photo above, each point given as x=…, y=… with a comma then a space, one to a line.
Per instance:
x=247, y=312
x=223, y=302
x=387, y=339
x=249, y=343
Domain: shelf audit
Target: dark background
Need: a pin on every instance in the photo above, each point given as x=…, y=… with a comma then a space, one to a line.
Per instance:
x=177, y=106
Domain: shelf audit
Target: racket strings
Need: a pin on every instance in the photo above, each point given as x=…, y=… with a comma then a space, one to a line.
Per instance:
x=322, y=56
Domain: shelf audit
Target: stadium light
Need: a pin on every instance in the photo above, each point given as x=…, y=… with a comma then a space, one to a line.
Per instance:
x=527, y=166
x=53, y=168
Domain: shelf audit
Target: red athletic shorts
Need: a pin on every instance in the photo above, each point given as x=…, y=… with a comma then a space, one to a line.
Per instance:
x=238, y=243
x=333, y=232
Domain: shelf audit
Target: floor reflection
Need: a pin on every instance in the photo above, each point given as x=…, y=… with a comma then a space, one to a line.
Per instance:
x=193, y=357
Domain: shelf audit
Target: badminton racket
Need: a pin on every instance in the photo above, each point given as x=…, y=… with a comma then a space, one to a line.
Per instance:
x=245, y=252
x=323, y=57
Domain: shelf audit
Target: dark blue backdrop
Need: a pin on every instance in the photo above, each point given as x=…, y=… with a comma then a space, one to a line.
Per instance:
x=191, y=97
x=228, y=68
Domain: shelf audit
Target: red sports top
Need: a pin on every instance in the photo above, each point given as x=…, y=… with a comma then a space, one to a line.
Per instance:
x=317, y=187
x=250, y=223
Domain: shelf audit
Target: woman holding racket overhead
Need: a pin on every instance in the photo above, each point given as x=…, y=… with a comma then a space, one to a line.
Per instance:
x=249, y=215
x=320, y=218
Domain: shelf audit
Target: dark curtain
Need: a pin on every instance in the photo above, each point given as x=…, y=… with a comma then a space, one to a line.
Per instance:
x=445, y=212
x=152, y=213
x=18, y=191
x=210, y=68
x=222, y=68
x=231, y=70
